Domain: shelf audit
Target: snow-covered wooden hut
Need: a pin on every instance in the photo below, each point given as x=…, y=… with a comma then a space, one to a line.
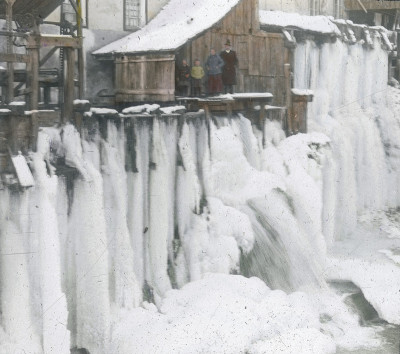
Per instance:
x=145, y=60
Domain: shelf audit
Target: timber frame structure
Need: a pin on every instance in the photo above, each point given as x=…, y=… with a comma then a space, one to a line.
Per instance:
x=150, y=75
x=27, y=17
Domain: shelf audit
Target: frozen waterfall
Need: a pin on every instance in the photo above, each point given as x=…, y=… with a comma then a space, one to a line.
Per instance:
x=93, y=257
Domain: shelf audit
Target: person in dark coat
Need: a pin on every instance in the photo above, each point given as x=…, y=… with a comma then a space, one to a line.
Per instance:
x=214, y=66
x=229, y=69
x=183, y=79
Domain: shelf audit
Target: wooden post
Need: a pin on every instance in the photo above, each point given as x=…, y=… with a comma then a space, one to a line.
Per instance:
x=34, y=82
x=299, y=110
x=261, y=116
x=81, y=72
x=255, y=17
x=10, y=65
x=398, y=55
x=229, y=109
x=69, y=85
x=288, y=91
x=34, y=130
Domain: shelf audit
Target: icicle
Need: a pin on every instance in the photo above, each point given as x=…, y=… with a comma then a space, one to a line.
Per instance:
x=159, y=214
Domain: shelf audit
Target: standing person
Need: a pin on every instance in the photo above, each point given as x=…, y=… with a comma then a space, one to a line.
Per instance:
x=197, y=74
x=214, y=66
x=229, y=70
x=183, y=79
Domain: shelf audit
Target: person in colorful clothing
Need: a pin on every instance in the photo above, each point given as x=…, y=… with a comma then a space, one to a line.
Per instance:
x=214, y=66
x=229, y=69
x=197, y=74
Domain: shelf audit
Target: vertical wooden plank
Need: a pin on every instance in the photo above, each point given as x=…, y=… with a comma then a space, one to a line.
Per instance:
x=288, y=98
x=128, y=75
x=172, y=77
x=10, y=65
x=34, y=130
x=34, y=78
x=268, y=60
x=69, y=85
x=240, y=19
x=142, y=71
x=224, y=24
x=207, y=48
x=81, y=72
x=229, y=23
x=262, y=57
x=119, y=73
x=254, y=64
x=243, y=52
x=255, y=17
x=246, y=23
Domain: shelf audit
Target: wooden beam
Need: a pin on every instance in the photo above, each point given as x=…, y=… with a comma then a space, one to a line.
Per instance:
x=72, y=2
x=14, y=58
x=10, y=65
x=143, y=60
x=81, y=64
x=13, y=34
x=33, y=75
x=146, y=92
x=362, y=6
x=54, y=41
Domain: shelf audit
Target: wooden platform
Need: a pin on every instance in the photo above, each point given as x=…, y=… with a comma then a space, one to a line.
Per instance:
x=226, y=104
x=231, y=103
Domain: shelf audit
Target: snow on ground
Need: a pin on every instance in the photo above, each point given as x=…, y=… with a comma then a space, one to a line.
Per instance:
x=222, y=314
x=369, y=258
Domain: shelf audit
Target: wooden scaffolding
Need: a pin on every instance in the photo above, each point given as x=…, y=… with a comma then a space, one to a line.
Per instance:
x=24, y=75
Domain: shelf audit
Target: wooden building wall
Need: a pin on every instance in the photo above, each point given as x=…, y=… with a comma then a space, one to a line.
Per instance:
x=261, y=57
x=142, y=78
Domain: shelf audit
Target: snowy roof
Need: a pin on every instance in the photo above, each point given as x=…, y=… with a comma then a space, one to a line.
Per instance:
x=175, y=24
x=320, y=24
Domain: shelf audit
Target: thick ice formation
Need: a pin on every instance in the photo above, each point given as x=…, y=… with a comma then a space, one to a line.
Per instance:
x=148, y=205
x=363, y=124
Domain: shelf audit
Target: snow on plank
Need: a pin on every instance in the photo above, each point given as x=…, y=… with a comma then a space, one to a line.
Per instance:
x=22, y=170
